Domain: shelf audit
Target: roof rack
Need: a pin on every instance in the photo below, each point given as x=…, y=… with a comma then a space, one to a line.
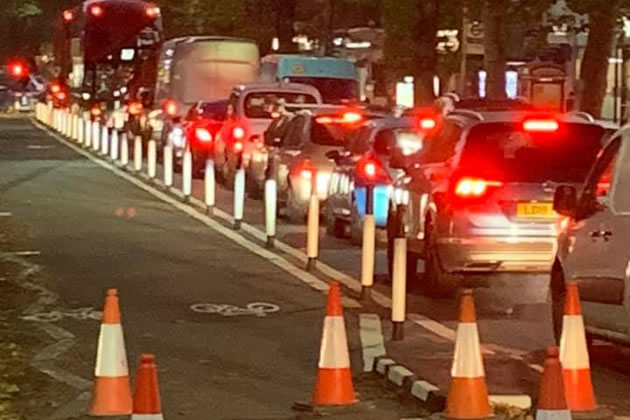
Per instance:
x=467, y=113
x=583, y=115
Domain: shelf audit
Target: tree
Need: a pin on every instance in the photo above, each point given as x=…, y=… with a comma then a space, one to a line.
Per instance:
x=601, y=37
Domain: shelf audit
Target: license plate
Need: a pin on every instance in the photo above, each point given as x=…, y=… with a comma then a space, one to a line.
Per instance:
x=535, y=210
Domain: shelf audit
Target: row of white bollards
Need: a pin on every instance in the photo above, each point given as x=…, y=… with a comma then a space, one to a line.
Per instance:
x=116, y=147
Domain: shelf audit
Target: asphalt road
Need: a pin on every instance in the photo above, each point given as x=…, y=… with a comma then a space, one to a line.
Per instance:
x=87, y=230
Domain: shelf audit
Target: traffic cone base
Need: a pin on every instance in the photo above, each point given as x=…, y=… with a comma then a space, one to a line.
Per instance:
x=579, y=390
x=111, y=397
x=334, y=387
x=147, y=417
x=468, y=399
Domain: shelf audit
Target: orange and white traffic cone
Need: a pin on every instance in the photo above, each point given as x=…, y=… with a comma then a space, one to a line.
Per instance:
x=552, y=403
x=468, y=394
x=146, y=398
x=574, y=355
x=334, y=378
x=112, y=392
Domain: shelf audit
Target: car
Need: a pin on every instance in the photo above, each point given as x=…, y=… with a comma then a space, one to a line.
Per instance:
x=198, y=130
x=478, y=198
x=249, y=116
x=592, y=248
x=300, y=161
x=375, y=143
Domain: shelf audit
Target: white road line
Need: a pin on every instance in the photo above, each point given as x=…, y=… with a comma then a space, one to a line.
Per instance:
x=38, y=147
x=24, y=253
x=275, y=259
x=5, y=214
x=372, y=342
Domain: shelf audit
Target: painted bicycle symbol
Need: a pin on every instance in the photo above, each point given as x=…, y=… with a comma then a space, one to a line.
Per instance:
x=259, y=309
x=81, y=314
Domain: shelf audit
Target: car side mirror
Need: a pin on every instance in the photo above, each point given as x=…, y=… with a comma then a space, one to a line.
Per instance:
x=565, y=200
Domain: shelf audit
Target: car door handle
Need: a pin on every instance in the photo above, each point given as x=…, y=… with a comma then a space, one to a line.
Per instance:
x=605, y=234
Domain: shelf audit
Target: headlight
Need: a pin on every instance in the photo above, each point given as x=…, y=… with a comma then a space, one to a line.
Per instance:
x=177, y=137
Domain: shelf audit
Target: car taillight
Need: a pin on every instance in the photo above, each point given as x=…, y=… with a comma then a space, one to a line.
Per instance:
x=541, y=125
x=238, y=146
x=427, y=123
x=95, y=111
x=469, y=187
x=68, y=15
x=97, y=10
x=203, y=135
x=238, y=133
x=61, y=95
x=135, y=108
x=152, y=12
x=55, y=88
x=373, y=171
x=305, y=170
x=352, y=117
x=171, y=107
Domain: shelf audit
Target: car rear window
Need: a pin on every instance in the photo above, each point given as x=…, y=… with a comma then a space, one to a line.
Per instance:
x=214, y=110
x=332, y=134
x=505, y=150
x=259, y=104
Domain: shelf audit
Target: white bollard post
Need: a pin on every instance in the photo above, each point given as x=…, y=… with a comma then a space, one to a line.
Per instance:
x=399, y=288
x=271, y=210
x=312, y=231
x=88, y=134
x=152, y=159
x=187, y=175
x=105, y=141
x=209, y=185
x=55, y=124
x=80, y=127
x=66, y=123
x=168, y=166
x=137, y=154
x=115, y=146
x=96, y=136
x=367, y=256
x=239, y=197
x=124, y=150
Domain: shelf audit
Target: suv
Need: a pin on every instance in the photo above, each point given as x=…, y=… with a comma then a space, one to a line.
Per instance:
x=592, y=247
x=478, y=197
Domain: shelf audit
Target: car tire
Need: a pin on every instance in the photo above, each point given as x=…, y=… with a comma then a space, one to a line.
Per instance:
x=558, y=294
x=435, y=282
x=334, y=226
x=294, y=212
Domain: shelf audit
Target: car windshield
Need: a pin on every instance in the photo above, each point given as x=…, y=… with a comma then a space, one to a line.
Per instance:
x=507, y=152
x=214, y=110
x=333, y=90
x=332, y=134
x=260, y=104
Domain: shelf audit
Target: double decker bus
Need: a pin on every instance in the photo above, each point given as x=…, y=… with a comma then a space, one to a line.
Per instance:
x=107, y=52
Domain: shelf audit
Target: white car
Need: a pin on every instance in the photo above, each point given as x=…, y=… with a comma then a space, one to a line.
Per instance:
x=593, y=244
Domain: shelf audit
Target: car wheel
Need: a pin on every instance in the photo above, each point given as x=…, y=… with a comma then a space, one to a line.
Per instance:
x=435, y=282
x=558, y=296
x=334, y=226
x=295, y=213
x=356, y=226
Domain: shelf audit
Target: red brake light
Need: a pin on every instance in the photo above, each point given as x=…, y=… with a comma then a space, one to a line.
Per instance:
x=373, y=171
x=135, y=108
x=370, y=169
x=306, y=174
x=238, y=133
x=55, y=88
x=543, y=125
x=152, y=12
x=97, y=10
x=18, y=70
x=324, y=120
x=468, y=187
x=238, y=146
x=171, y=107
x=61, y=95
x=352, y=117
x=203, y=135
x=96, y=111
x=427, y=123
x=68, y=16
